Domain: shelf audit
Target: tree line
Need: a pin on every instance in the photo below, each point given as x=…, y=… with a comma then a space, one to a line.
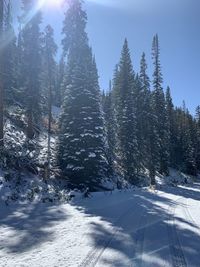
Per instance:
x=131, y=130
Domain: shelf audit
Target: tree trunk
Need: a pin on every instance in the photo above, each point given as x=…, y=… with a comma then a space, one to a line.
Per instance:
x=152, y=176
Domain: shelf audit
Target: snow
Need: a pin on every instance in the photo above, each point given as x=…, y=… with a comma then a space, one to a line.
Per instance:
x=91, y=135
x=70, y=166
x=92, y=155
x=78, y=168
x=138, y=227
x=23, y=188
x=175, y=177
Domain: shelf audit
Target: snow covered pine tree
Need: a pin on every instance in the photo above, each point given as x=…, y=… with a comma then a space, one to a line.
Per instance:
x=31, y=49
x=81, y=154
x=127, y=147
x=160, y=113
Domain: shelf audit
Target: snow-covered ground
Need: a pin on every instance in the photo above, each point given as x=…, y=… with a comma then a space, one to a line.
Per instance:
x=129, y=228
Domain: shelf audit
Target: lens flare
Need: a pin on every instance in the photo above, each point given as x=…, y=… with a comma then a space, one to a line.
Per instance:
x=50, y=3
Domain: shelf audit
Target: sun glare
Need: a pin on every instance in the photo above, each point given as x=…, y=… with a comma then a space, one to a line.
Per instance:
x=50, y=3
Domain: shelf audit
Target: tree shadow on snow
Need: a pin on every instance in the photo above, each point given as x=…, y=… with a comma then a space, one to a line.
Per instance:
x=28, y=225
x=186, y=191
x=144, y=228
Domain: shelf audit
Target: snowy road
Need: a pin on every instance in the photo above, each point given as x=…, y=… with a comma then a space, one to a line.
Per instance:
x=135, y=228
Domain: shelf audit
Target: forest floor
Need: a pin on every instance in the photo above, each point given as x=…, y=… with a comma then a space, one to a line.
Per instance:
x=138, y=227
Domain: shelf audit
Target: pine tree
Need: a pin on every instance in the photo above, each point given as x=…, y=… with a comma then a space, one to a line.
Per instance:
x=197, y=123
x=19, y=66
x=110, y=124
x=147, y=123
x=171, y=127
x=160, y=110
x=191, y=159
x=144, y=105
x=49, y=67
x=197, y=115
x=189, y=138
x=185, y=147
x=10, y=59
x=60, y=82
x=127, y=154
x=138, y=98
x=179, y=129
x=1, y=75
x=49, y=64
x=31, y=62
x=81, y=139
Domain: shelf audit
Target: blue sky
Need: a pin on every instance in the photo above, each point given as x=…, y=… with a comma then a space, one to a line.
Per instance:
x=176, y=22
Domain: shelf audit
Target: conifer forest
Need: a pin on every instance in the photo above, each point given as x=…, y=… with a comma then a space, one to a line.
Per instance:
x=91, y=176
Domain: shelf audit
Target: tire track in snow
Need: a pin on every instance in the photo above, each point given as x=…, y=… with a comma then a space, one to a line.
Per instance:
x=95, y=254
x=139, y=247
x=188, y=214
x=177, y=255
x=140, y=236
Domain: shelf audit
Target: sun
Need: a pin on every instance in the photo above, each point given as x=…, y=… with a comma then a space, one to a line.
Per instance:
x=50, y=3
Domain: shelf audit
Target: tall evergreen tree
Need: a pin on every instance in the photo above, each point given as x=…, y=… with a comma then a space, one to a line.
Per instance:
x=31, y=61
x=59, y=92
x=110, y=124
x=197, y=122
x=127, y=152
x=10, y=59
x=49, y=64
x=148, y=123
x=160, y=109
x=197, y=115
x=81, y=139
x=185, y=131
x=138, y=98
x=171, y=127
x=191, y=167
x=19, y=65
x=49, y=67
x=188, y=164
x=179, y=129
x=2, y=7
x=143, y=107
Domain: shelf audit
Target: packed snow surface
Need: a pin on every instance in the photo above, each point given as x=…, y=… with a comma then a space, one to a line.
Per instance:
x=129, y=228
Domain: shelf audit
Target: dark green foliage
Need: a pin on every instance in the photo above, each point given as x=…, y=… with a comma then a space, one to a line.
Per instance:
x=110, y=125
x=148, y=133
x=170, y=127
x=138, y=104
x=185, y=131
x=58, y=94
x=159, y=109
x=74, y=26
x=1, y=77
x=10, y=60
x=49, y=67
x=31, y=52
x=197, y=124
x=127, y=146
x=81, y=139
